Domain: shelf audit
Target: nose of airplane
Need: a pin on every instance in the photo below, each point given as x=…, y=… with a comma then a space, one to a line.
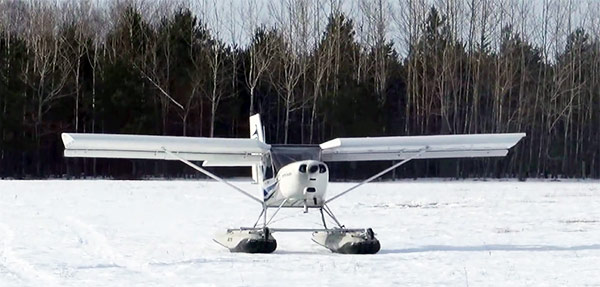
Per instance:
x=313, y=169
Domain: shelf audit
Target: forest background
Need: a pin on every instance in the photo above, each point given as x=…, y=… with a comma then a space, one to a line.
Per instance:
x=315, y=70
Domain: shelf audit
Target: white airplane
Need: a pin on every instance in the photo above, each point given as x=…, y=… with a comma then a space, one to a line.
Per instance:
x=289, y=176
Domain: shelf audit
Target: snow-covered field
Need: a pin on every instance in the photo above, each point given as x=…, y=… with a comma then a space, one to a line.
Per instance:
x=147, y=233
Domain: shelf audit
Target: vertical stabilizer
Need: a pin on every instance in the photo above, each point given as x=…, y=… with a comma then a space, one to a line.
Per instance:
x=257, y=132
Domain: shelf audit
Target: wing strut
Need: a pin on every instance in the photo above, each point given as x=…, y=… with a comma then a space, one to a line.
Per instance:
x=421, y=151
x=273, y=216
x=209, y=174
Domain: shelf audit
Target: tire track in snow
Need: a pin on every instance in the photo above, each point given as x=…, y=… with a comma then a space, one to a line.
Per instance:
x=19, y=267
x=98, y=246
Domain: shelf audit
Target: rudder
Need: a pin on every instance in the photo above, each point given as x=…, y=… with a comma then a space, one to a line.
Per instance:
x=257, y=132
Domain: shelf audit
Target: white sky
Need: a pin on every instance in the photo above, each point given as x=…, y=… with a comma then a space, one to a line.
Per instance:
x=233, y=20
x=236, y=14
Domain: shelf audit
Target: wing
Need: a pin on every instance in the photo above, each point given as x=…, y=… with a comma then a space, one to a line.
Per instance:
x=213, y=151
x=398, y=148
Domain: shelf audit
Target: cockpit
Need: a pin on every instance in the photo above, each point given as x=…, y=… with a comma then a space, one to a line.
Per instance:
x=282, y=155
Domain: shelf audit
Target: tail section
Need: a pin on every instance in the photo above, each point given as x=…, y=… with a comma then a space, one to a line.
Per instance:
x=257, y=132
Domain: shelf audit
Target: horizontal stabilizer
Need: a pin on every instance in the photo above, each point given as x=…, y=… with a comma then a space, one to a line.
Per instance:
x=403, y=147
x=224, y=163
x=233, y=151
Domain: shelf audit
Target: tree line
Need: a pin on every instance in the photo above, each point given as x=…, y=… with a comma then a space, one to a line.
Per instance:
x=315, y=70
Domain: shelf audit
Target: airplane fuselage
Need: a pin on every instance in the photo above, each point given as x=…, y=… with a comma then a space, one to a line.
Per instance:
x=300, y=183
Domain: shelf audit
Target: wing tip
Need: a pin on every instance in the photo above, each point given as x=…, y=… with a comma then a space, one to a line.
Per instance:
x=67, y=139
x=337, y=142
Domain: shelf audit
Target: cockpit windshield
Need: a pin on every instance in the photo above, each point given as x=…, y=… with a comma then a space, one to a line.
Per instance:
x=282, y=155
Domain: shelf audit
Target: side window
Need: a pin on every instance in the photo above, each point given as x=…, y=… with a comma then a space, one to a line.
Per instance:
x=268, y=172
x=268, y=167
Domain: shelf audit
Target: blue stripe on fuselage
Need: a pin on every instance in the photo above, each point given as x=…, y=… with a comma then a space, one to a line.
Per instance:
x=269, y=191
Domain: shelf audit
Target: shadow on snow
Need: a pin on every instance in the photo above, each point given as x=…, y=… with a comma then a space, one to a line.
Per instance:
x=491, y=247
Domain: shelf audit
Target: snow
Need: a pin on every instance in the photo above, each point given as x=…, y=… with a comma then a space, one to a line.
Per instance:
x=159, y=233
